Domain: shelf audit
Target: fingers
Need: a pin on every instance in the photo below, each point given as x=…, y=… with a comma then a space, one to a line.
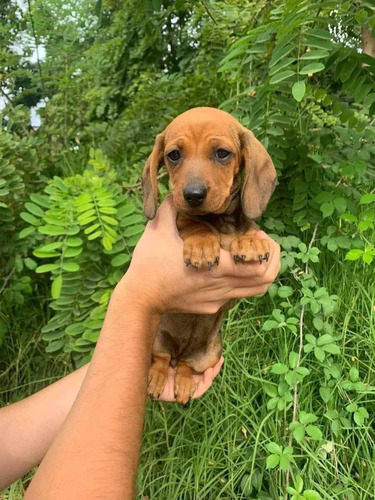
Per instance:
x=204, y=381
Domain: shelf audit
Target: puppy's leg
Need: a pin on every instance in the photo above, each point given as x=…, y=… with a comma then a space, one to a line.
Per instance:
x=250, y=248
x=201, y=245
x=184, y=384
x=158, y=374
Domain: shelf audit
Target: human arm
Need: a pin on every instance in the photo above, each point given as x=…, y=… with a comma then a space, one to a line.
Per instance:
x=28, y=427
x=96, y=453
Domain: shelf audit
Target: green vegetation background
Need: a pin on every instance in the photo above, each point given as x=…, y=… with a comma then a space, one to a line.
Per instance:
x=292, y=413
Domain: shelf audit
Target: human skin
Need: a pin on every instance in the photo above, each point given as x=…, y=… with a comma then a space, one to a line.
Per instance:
x=95, y=454
x=28, y=427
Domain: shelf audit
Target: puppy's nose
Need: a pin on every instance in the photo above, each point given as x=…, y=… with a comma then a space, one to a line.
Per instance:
x=195, y=194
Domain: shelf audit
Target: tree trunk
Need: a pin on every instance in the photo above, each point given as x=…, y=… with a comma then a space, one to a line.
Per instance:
x=368, y=42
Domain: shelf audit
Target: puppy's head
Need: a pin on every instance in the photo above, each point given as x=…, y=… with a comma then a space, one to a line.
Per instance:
x=205, y=150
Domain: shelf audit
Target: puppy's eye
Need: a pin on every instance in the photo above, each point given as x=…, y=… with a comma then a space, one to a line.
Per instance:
x=174, y=155
x=223, y=154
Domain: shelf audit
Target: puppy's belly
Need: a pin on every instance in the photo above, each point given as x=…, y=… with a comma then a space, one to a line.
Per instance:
x=192, y=338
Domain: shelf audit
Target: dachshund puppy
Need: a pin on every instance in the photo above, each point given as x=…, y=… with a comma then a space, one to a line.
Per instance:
x=222, y=179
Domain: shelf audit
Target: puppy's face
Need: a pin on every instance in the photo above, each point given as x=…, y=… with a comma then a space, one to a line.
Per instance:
x=202, y=156
x=204, y=151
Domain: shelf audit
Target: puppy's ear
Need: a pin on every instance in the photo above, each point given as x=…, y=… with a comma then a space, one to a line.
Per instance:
x=149, y=178
x=260, y=175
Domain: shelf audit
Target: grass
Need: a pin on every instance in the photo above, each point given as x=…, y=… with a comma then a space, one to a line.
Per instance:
x=215, y=448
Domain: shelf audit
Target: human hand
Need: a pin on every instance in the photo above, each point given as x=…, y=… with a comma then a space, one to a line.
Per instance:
x=158, y=279
x=203, y=382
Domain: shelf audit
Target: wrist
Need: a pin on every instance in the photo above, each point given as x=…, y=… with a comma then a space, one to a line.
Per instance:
x=140, y=300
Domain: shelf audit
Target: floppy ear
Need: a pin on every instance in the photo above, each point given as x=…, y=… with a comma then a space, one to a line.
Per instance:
x=260, y=176
x=149, y=178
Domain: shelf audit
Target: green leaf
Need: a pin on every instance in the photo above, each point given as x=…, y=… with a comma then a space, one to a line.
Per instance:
x=279, y=369
x=41, y=200
x=282, y=64
x=279, y=77
x=311, y=495
x=92, y=228
x=110, y=220
x=274, y=448
x=314, y=432
x=85, y=207
x=285, y=291
x=272, y=461
x=298, y=91
x=354, y=374
x=131, y=231
x=120, y=260
x=34, y=209
x=52, y=230
x=299, y=433
x=315, y=54
x=280, y=52
x=70, y=267
x=72, y=252
x=56, y=287
x=74, y=242
x=51, y=246
x=270, y=390
x=331, y=348
x=319, y=354
x=325, y=393
x=30, y=264
x=284, y=462
x=340, y=204
x=325, y=339
x=125, y=210
x=354, y=254
x=358, y=418
x=327, y=208
x=29, y=218
x=131, y=220
x=367, y=198
x=291, y=378
x=95, y=235
x=307, y=418
x=311, y=68
x=298, y=484
x=55, y=346
x=293, y=359
x=318, y=323
x=45, y=268
x=26, y=232
x=107, y=243
x=270, y=325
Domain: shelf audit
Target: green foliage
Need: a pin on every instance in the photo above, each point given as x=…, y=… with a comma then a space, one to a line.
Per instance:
x=84, y=230
x=299, y=378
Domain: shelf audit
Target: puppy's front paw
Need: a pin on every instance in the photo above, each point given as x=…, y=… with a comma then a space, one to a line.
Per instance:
x=247, y=248
x=201, y=251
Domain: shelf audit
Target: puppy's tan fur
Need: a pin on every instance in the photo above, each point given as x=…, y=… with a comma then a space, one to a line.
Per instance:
x=238, y=191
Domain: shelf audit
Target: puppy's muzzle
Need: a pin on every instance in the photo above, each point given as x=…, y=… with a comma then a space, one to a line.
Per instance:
x=195, y=194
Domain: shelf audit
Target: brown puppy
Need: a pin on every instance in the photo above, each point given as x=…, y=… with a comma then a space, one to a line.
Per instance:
x=222, y=178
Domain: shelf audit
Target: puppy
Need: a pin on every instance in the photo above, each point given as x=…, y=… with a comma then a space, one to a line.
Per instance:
x=222, y=179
